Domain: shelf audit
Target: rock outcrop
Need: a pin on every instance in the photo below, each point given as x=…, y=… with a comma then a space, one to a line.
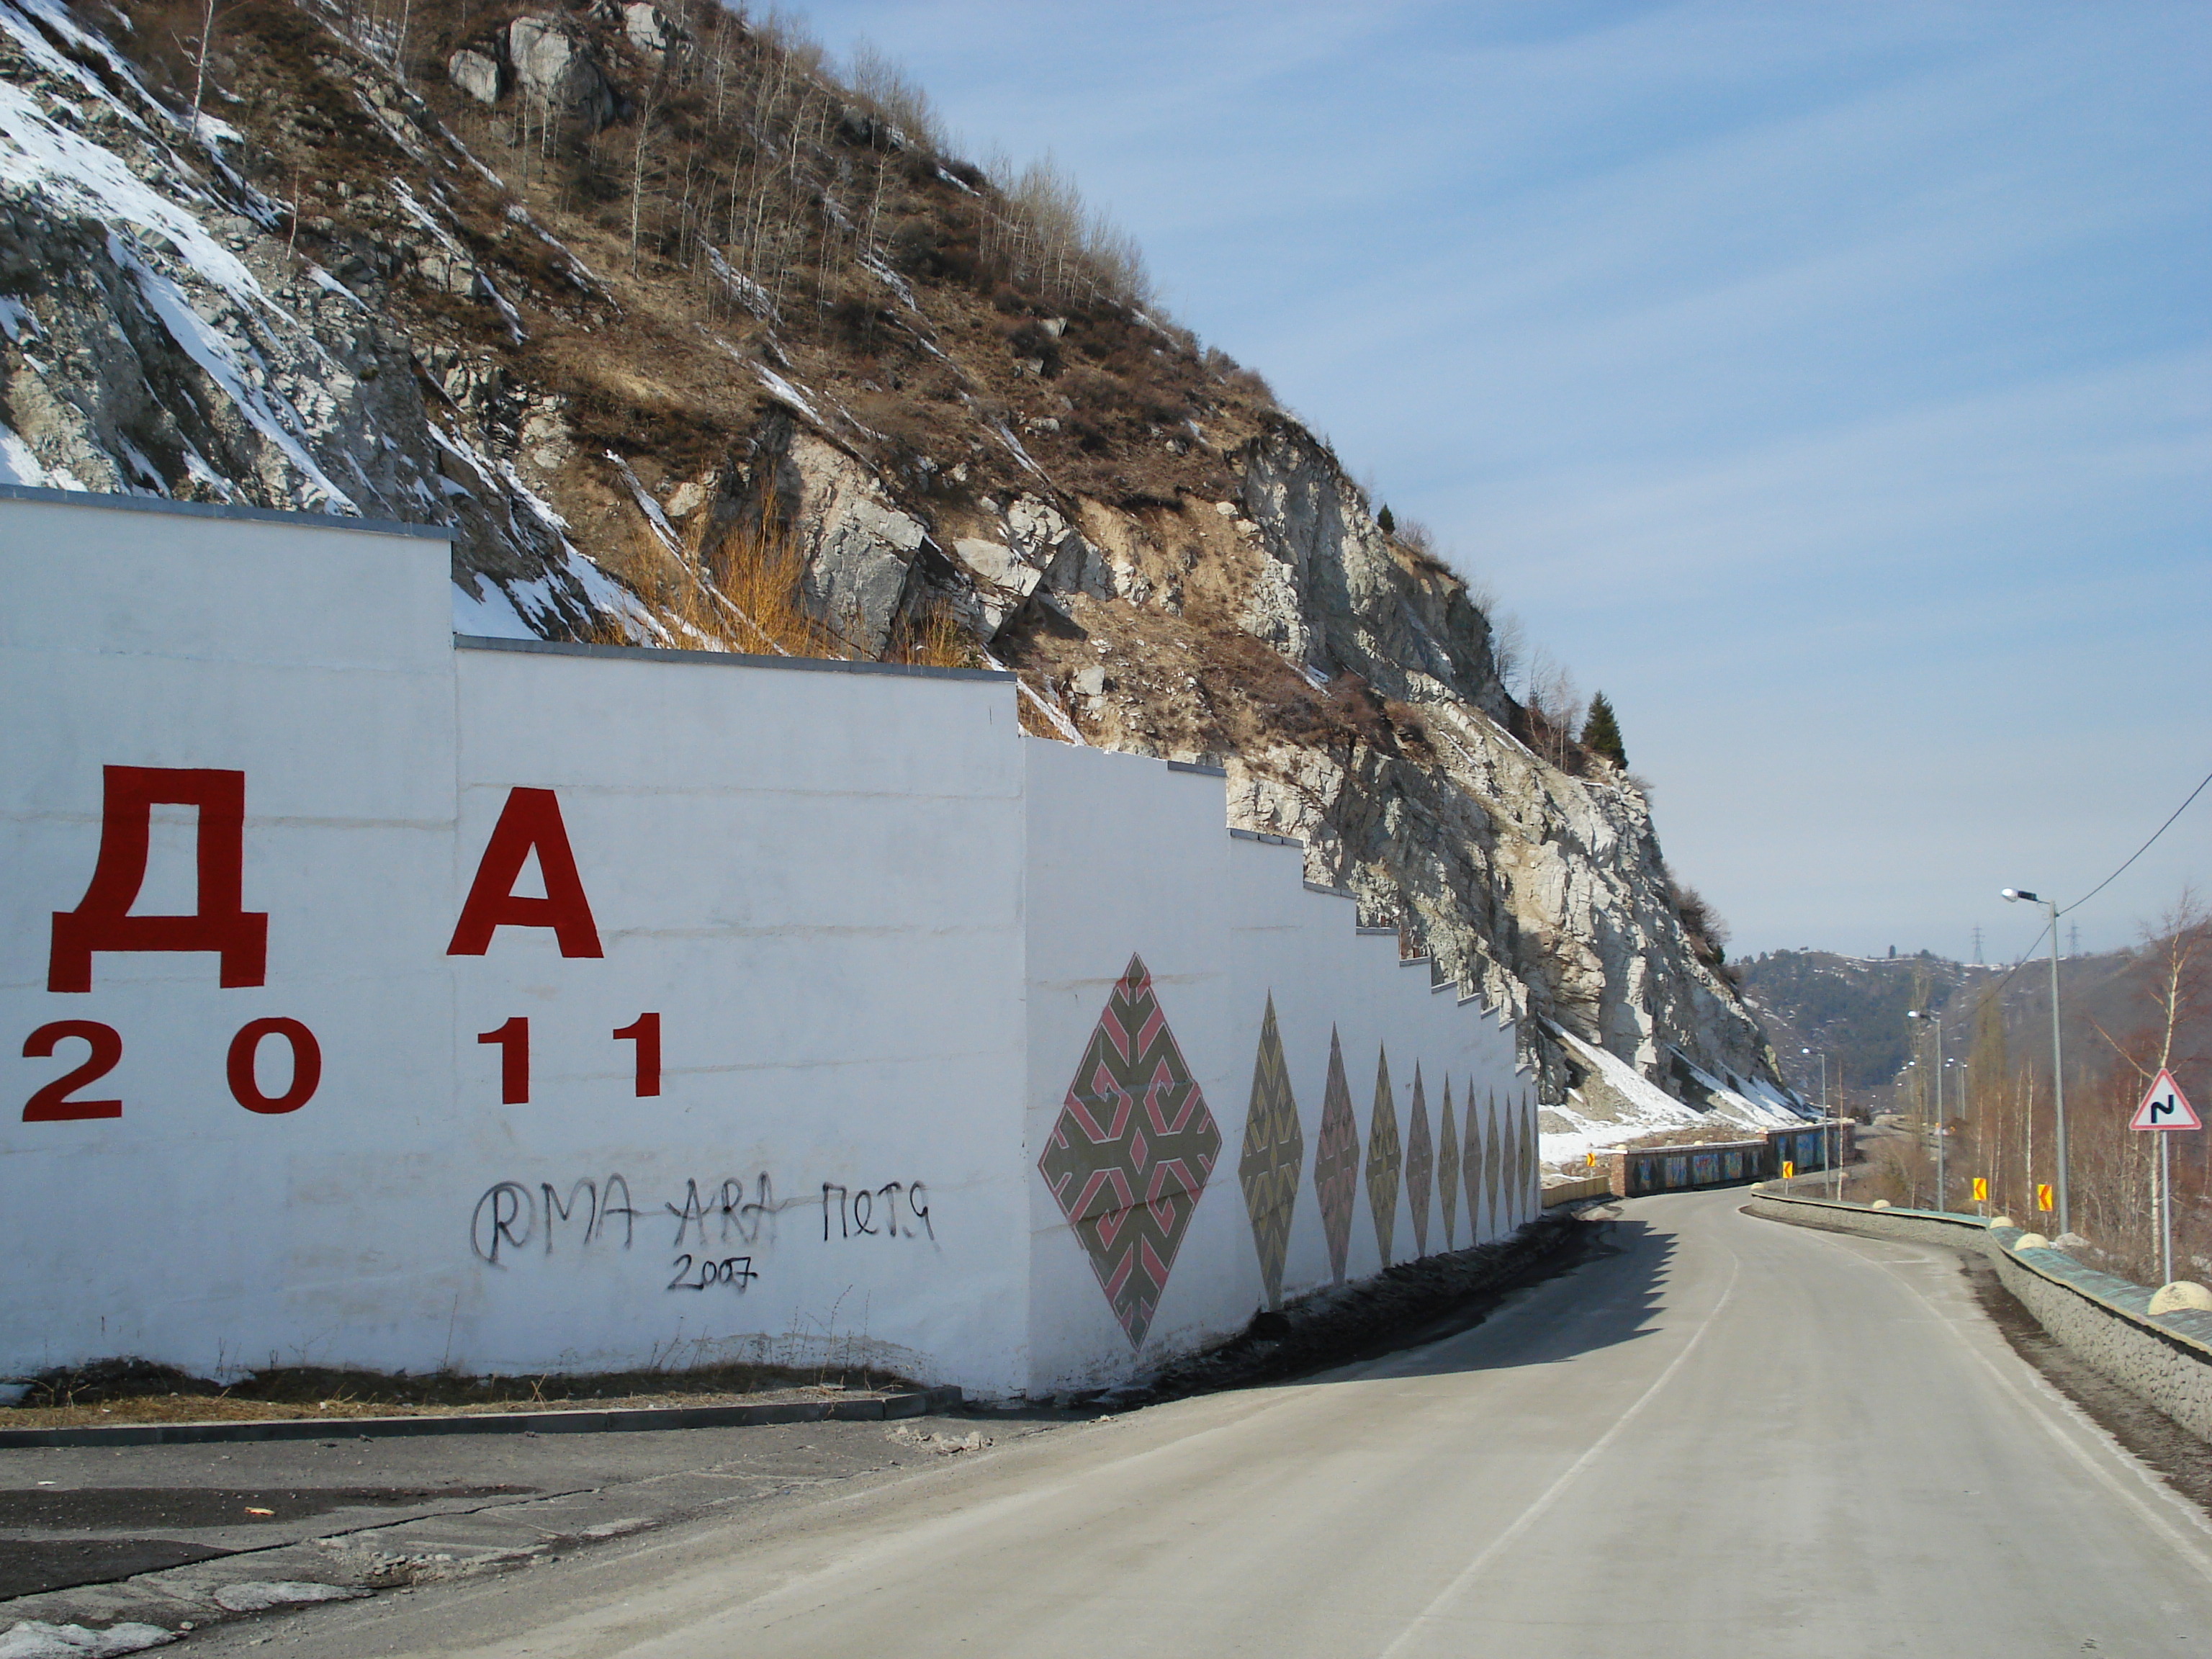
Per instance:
x=381, y=296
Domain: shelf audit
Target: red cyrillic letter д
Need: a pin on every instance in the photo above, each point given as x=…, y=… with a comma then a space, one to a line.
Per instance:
x=529, y=823
x=102, y=919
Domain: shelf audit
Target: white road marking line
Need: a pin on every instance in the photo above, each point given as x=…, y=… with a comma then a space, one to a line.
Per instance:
x=1529, y=1517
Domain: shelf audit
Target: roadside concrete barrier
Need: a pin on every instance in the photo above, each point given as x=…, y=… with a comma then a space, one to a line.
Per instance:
x=2181, y=1294
x=2162, y=1357
x=1574, y=1192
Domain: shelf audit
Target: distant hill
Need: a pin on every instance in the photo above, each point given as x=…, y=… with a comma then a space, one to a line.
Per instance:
x=1852, y=1008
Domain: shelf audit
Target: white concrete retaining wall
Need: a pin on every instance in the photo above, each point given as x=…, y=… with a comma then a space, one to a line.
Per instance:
x=878, y=928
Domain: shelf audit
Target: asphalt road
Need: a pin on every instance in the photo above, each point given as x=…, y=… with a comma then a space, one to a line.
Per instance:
x=1727, y=1437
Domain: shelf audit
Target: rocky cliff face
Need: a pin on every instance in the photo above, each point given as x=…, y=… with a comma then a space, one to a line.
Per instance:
x=674, y=329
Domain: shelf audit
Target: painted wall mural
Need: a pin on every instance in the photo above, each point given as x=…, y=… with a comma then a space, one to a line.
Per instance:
x=1494, y=1133
x=1130, y=1151
x=1448, y=1170
x=1420, y=1165
x=1273, y=1157
x=1481, y=1136
x=1336, y=1161
x=1383, y=1159
x=1525, y=1169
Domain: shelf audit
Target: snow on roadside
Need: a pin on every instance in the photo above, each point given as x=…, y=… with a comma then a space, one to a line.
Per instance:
x=1745, y=1110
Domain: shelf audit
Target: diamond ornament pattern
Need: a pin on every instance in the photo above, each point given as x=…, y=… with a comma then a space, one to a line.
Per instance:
x=1493, y=1159
x=1525, y=1165
x=1480, y=1136
x=1420, y=1165
x=1336, y=1161
x=1274, y=1156
x=1383, y=1159
x=1130, y=1151
x=1448, y=1167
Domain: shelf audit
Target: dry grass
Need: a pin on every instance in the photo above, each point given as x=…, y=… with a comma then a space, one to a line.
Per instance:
x=744, y=596
x=113, y=1392
x=932, y=639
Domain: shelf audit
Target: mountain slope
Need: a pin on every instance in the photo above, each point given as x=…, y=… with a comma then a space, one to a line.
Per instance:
x=696, y=346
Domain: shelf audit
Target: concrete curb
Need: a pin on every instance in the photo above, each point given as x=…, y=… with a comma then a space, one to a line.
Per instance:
x=631, y=1420
x=2106, y=1322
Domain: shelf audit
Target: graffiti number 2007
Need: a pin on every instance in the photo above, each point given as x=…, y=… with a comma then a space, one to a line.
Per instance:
x=735, y=1270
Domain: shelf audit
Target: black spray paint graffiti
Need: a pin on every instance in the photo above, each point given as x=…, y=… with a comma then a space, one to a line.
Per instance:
x=873, y=1212
x=509, y=1217
x=506, y=1217
x=731, y=1208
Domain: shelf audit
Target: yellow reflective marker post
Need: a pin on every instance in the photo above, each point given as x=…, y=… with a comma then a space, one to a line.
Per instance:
x=1590, y=1160
x=2042, y=1195
x=1788, y=1168
x=1981, y=1190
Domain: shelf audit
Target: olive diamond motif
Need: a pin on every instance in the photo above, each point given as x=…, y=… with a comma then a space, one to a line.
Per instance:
x=1382, y=1159
x=1274, y=1156
x=1336, y=1161
x=1420, y=1165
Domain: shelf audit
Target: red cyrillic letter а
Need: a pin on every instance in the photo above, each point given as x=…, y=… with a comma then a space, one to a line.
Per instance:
x=530, y=822
x=102, y=919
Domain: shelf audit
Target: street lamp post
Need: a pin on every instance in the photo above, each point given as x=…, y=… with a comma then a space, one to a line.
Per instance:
x=2013, y=895
x=1828, y=1116
x=1937, y=1020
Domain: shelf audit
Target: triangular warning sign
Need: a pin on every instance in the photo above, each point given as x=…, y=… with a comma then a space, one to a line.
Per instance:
x=2166, y=1108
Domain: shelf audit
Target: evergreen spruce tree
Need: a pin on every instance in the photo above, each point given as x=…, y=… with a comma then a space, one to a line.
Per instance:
x=1602, y=732
x=1388, y=524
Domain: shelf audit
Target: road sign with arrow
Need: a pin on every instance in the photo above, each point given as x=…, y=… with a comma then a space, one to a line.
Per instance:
x=2166, y=1108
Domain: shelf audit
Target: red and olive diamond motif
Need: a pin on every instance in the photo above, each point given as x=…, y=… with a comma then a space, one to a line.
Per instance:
x=1130, y=1151
x=1420, y=1165
x=1336, y=1161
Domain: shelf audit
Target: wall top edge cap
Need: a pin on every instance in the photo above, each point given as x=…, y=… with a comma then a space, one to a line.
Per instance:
x=220, y=510
x=1262, y=835
x=721, y=658
x=1335, y=892
x=1203, y=769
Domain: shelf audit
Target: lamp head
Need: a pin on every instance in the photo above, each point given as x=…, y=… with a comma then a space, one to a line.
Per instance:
x=2014, y=894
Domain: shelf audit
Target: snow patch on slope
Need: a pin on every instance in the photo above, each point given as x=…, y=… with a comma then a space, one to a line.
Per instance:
x=1749, y=1108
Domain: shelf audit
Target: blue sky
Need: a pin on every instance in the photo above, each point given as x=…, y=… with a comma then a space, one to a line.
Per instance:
x=1827, y=383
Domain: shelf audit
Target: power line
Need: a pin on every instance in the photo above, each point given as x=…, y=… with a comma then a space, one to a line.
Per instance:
x=2139, y=851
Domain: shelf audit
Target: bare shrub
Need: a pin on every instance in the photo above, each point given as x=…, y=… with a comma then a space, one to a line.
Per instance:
x=1708, y=933
x=887, y=92
x=1043, y=239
